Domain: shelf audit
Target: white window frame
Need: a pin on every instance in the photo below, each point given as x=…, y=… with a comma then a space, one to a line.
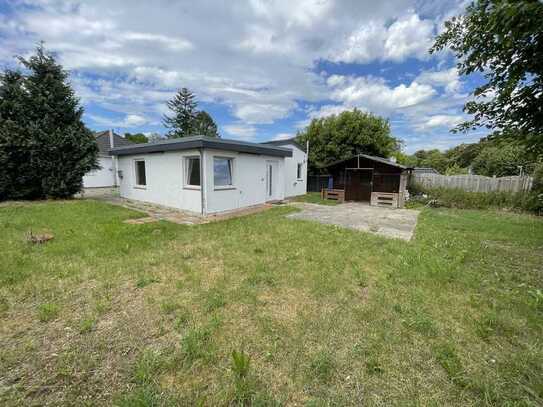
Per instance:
x=136, y=185
x=232, y=185
x=300, y=166
x=186, y=175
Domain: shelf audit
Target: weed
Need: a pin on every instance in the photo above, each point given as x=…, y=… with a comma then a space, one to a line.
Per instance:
x=450, y=362
x=87, y=324
x=214, y=299
x=196, y=344
x=322, y=366
x=168, y=306
x=144, y=281
x=48, y=311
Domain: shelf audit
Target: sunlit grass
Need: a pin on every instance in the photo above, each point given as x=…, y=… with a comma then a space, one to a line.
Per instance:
x=151, y=314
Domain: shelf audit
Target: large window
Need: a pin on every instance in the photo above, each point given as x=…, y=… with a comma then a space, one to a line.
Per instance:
x=141, y=179
x=222, y=171
x=192, y=173
x=299, y=171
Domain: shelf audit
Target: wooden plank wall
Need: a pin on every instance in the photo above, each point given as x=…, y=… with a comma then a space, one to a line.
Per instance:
x=474, y=183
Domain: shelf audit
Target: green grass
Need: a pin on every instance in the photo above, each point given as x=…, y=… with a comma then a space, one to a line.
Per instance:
x=315, y=198
x=265, y=310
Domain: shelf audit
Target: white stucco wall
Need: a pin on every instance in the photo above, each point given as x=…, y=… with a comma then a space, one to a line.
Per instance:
x=165, y=180
x=293, y=185
x=249, y=181
x=104, y=177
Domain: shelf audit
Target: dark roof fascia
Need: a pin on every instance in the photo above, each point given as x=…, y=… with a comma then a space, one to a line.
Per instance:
x=191, y=143
x=286, y=141
x=370, y=157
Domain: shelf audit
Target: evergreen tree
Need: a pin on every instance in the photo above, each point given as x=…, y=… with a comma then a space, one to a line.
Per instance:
x=204, y=125
x=45, y=149
x=183, y=106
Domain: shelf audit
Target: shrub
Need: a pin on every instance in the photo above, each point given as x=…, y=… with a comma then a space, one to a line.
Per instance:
x=460, y=199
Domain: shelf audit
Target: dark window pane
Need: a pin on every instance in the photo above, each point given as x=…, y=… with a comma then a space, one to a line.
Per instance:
x=194, y=171
x=222, y=171
x=140, y=173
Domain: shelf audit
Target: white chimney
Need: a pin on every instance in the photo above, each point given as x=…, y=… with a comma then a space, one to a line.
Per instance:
x=393, y=159
x=111, y=142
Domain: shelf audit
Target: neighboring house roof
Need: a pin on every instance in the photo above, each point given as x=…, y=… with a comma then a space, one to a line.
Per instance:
x=285, y=142
x=370, y=157
x=190, y=143
x=424, y=170
x=102, y=139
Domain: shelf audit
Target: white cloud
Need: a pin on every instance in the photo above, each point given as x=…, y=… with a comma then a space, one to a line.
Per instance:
x=282, y=136
x=256, y=58
x=130, y=120
x=374, y=94
x=440, y=120
x=240, y=131
x=448, y=79
x=408, y=36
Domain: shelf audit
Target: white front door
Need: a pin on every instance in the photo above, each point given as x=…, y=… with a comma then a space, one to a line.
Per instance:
x=271, y=180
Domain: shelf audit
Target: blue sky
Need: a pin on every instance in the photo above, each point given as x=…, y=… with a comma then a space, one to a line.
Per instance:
x=262, y=68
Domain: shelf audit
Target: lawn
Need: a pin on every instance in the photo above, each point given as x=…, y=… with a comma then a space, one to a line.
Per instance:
x=265, y=310
x=315, y=197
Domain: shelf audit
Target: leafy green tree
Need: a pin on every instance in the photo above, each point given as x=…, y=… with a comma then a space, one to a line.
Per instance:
x=500, y=160
x=45, y=149
x=503, y=40
x=183, y=107
x=341, y=136
x=138, y=138
x=432, y=159
x=204, y=125
x=463, y=154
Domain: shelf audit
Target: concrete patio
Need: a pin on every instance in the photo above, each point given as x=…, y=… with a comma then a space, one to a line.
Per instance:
x=392, y=223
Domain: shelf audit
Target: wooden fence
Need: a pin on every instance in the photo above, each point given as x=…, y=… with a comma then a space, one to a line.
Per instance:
x=474, y=183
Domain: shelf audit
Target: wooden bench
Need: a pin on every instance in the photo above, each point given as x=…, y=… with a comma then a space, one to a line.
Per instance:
x=333, y=194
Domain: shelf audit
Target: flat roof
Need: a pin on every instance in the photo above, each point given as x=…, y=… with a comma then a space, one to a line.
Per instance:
x=286, y=141
x=189, y=143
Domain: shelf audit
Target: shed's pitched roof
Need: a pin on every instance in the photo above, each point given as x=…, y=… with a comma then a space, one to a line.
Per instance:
x=102, y=140
x=189, y=143
x=286, y=141
x=370, y=157
x=425, y=170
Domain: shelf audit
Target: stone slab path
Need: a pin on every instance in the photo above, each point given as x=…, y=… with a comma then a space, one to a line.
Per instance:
x=387, y=222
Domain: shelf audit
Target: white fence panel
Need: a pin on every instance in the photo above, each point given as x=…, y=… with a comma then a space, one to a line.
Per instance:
x=475, y=183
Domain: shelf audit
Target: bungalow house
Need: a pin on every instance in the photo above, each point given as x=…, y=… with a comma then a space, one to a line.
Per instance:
x=105, y=176
x=210, y=175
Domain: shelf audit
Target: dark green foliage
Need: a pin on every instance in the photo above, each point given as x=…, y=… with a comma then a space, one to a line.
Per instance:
x=186, y=120
x=458, y=198
x=503, y=40
x=136, y=137
x=500, y=160
x=338, y=137
x=204, y=125
x=45, y=149
x=496, y=156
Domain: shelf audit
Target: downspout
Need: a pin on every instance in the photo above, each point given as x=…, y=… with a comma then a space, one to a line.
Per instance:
x=114, y=158
x=203, y=194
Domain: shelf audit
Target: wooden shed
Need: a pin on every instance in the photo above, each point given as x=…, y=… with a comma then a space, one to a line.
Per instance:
x=368, y=179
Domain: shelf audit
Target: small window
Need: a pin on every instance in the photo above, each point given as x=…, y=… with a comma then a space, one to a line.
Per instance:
x=222, y=171
x=193, y=171
x=141, y=179
x=299, y=171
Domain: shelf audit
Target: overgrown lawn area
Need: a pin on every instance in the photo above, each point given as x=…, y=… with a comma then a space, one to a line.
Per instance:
x=264, y=310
